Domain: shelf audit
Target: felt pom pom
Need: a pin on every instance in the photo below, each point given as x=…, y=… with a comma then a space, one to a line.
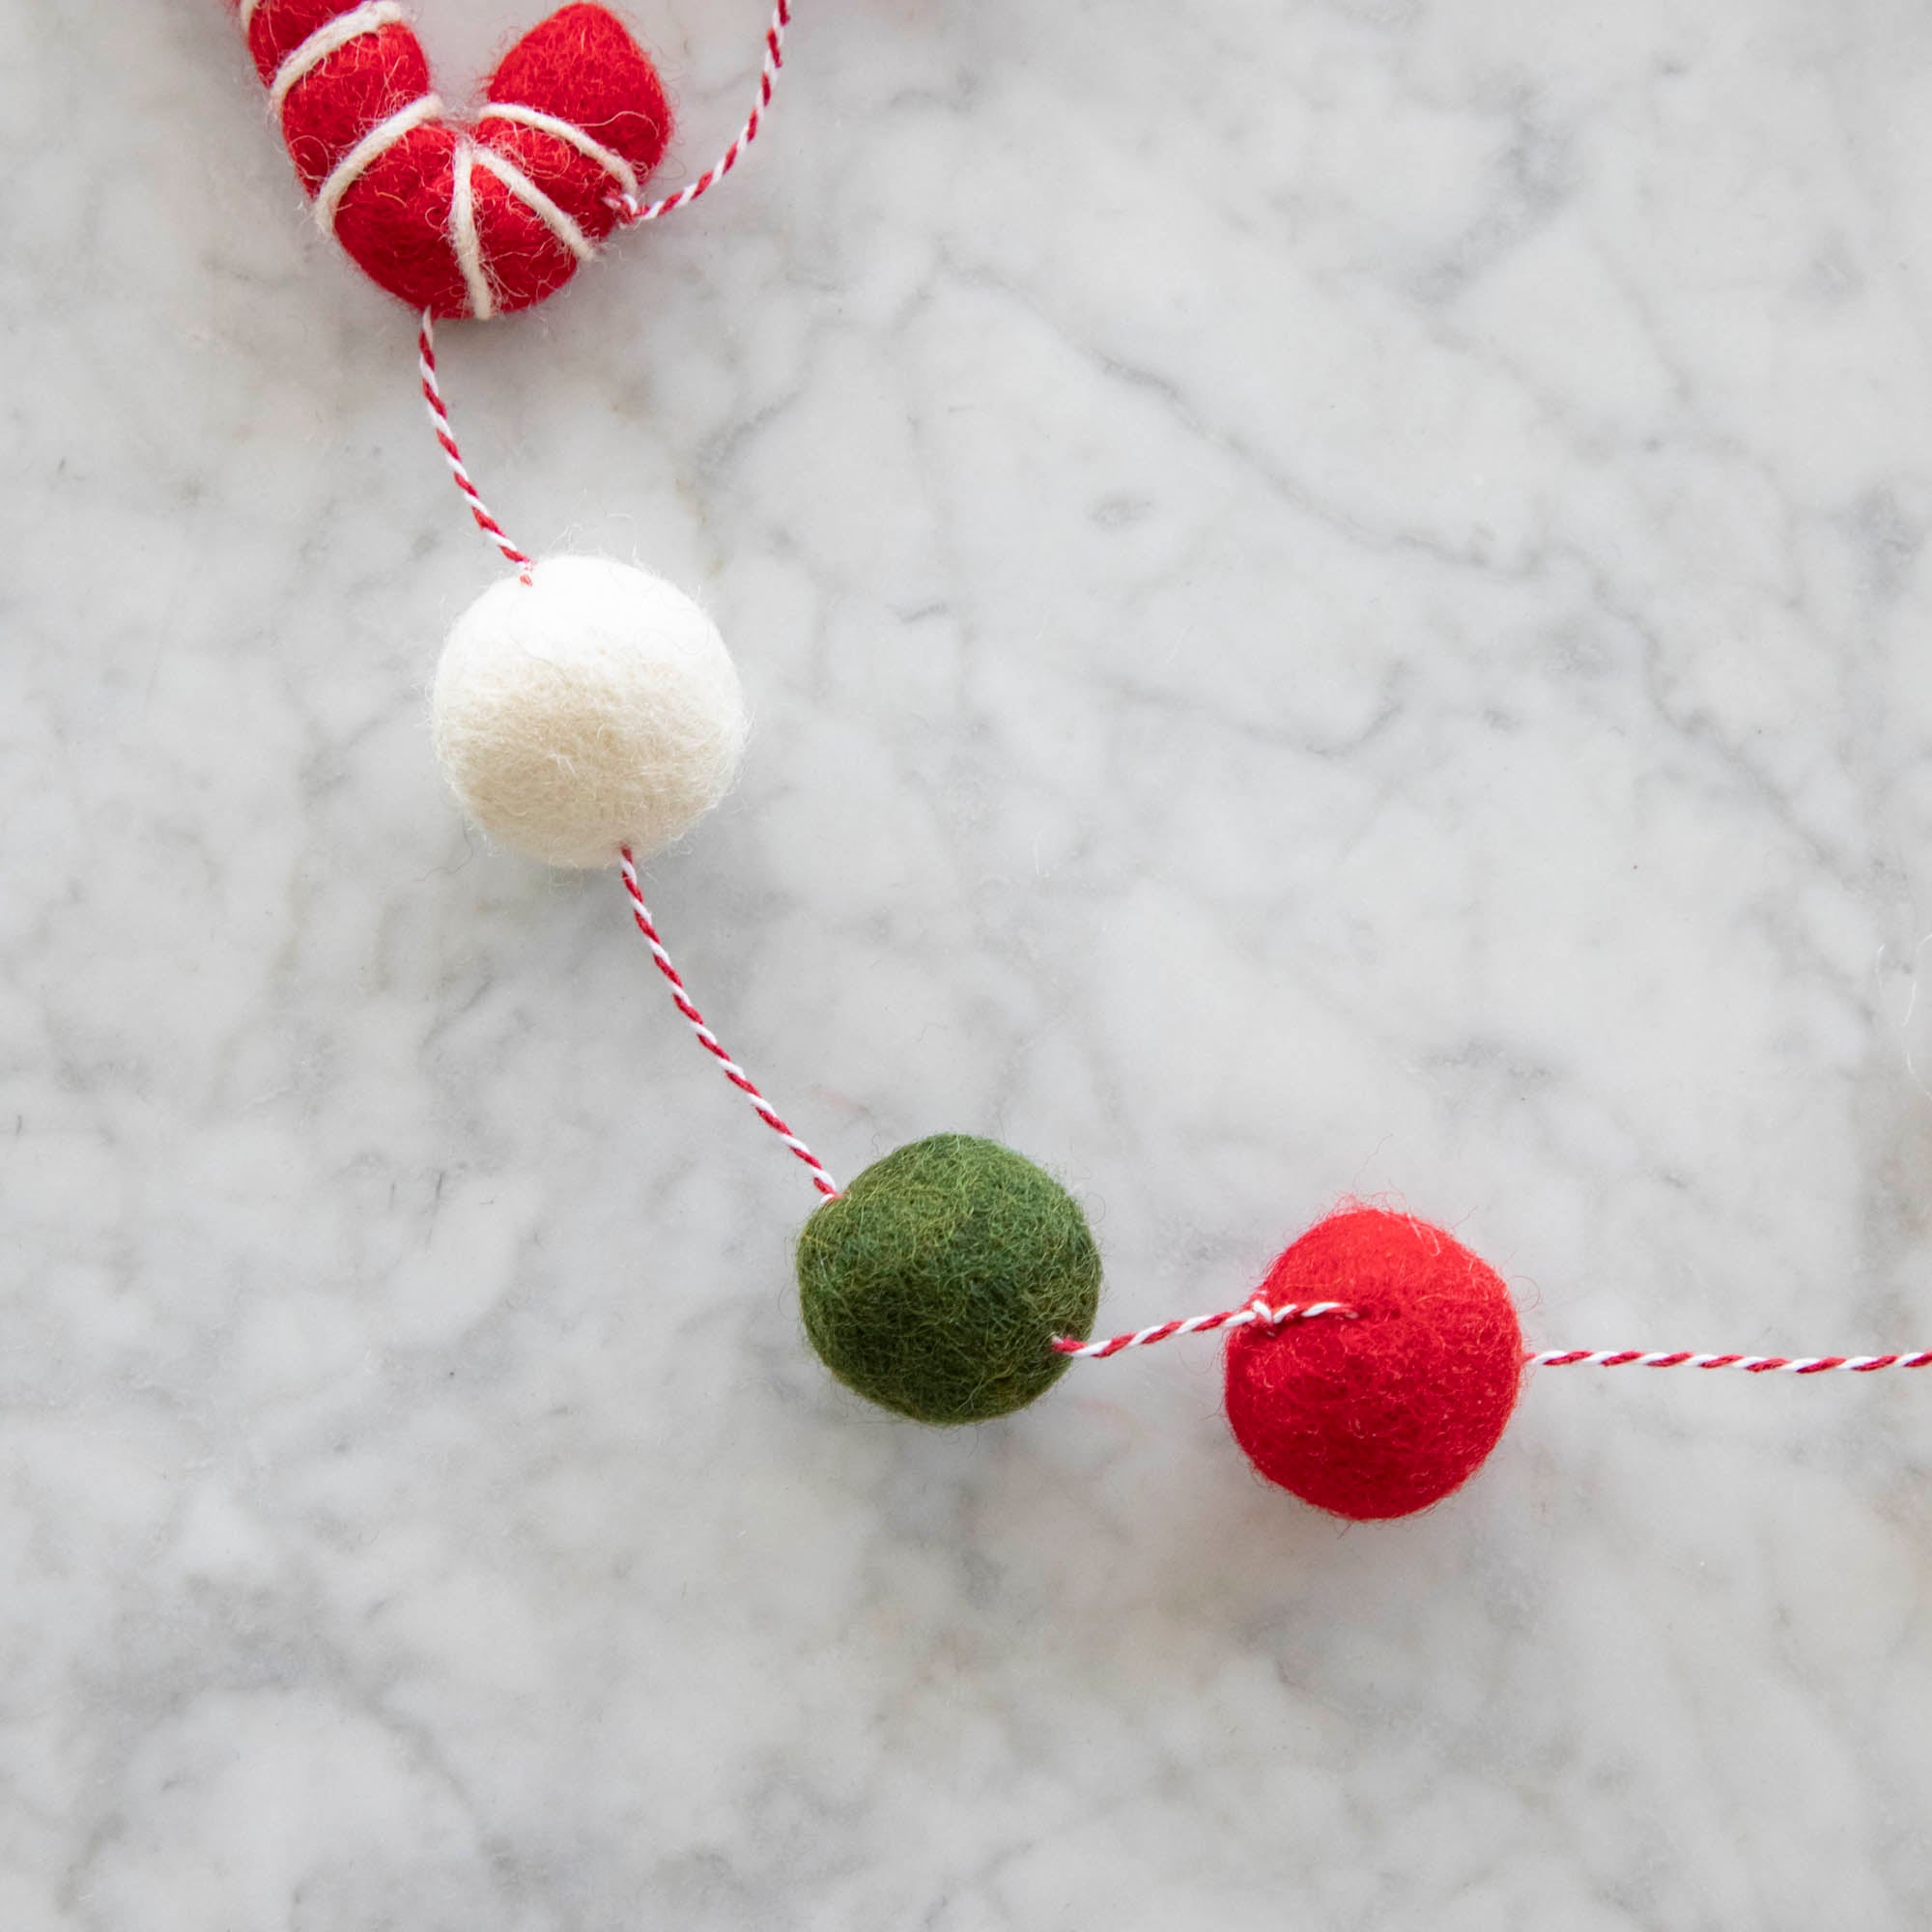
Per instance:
x=935, y=1284
x=591, y=708
x=1387, y=1412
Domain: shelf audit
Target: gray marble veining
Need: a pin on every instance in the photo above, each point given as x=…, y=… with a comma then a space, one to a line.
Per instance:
x=1336, y=599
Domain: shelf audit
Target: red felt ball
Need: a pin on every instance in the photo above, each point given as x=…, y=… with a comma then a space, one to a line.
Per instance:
x=1388, y=1411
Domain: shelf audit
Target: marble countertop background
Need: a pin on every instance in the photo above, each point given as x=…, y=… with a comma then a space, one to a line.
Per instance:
x=1336, y=599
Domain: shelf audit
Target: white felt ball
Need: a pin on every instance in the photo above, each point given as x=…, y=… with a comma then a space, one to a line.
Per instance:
x=591, y=708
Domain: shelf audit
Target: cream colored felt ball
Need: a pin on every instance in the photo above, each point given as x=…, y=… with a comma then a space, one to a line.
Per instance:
x=591, y=708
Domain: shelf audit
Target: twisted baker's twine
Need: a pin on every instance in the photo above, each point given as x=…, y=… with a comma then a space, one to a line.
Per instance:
x=629, y=210
x=446, y=436
x=641, y=916
x=1258, y=1309
x=1752, y=1365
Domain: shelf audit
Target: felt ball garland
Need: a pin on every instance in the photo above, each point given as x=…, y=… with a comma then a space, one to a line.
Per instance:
x=586, y=713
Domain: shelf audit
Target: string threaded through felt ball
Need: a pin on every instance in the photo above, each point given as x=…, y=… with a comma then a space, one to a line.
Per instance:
x=590, y=708
x=461, y=219
x=1390, y=1411
x=935, y=1285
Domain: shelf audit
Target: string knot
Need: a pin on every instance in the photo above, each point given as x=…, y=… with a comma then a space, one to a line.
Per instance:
x=1279, y=1316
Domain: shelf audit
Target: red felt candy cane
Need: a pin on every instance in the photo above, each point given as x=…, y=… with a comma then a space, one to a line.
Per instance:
x=462, y=220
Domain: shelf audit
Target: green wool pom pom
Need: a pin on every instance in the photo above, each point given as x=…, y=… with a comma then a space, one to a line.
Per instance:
x=935, y=1284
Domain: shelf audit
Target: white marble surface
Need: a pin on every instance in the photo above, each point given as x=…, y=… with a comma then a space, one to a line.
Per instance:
x=1335, y=598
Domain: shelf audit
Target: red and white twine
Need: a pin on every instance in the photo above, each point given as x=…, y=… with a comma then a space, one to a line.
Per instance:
x=1751, y=1365
x=446, y=436
x=630, y=209
x=1545, y=1358
x=640, y=913
x=1200, y=1324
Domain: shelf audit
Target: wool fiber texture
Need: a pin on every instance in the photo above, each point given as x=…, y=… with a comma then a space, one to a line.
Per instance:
x=935, y=1285
x=592, y=708
x=1387, y=1414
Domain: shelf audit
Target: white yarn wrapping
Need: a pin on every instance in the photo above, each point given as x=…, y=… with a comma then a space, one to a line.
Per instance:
x=324, y=42
x=464, y=243
x=378, y=141
x=592, y=708
x=535, y=200
x=609, y=160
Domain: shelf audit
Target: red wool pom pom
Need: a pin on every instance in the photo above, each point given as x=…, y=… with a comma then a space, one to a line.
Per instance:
x=462, y=220
x=1385, y=1413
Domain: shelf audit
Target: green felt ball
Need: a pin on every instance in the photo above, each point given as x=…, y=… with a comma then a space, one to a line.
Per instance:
x=935, y=1284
